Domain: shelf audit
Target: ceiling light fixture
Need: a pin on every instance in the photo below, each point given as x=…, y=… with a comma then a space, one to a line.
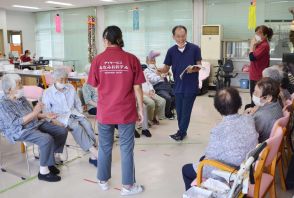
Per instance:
x=59, y=3
x=107, y=0
x=27, y=7
x=277, y=2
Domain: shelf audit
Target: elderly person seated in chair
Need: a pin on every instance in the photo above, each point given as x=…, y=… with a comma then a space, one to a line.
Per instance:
x=20, y=122
x=62, y=99
x=230, y=140
x=154, y=103
x=267, y=109
x=160, y=84
x=276, y=73
x=90, y=95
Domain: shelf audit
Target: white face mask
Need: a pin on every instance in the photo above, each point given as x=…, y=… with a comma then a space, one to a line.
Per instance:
x=19, y=93
x=152, y=66
x=181, y=49
x=183, y=45
x=257, y=38
x=59, y=85
x=257, y=101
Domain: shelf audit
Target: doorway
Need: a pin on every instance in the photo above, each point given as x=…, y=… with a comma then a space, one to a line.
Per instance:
x=15, y=42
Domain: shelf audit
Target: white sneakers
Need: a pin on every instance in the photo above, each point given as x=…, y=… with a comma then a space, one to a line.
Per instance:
x=104, y=185
x=135, y=189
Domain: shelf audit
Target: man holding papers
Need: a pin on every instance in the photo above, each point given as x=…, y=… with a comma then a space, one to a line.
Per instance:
x=185, y=60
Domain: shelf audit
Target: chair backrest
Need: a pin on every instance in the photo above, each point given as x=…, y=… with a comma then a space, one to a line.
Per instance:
x=288, y=102
x=33, y=92
x=292, y=96
x=49, y=78
x=259, y=167
x=283, y=122
x=288, y=107
x=274, y=144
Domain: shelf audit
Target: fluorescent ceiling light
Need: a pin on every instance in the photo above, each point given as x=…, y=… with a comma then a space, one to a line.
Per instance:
x=59, y=3
x=107, y=0
x=279, y=2
x=27, y=7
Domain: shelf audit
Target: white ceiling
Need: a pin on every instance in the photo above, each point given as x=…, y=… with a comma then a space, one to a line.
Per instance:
x=7, y=4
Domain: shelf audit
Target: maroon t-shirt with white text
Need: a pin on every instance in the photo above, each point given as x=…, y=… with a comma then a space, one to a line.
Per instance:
x=115, y=72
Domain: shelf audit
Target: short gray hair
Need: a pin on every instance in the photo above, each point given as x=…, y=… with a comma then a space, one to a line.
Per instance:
x=16, y=77
x=59, y=73
x=272, y=73
x=9, y=81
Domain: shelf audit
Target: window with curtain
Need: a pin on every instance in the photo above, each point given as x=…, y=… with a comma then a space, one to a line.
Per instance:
x=43, y=34
x=71, y=43
x=156, y=20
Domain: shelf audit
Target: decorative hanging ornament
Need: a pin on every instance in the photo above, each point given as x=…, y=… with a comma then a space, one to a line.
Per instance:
x=252, y=15
x=57, y=23
x=92, y=51
x=136, y=19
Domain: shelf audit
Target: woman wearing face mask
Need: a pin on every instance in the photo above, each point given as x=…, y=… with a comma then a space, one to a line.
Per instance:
x=259, y=55
x=22, y=123
x=62, y=99
x=267, y=109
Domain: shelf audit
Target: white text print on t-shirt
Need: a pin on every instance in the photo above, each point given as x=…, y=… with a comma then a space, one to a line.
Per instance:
x=113, y=67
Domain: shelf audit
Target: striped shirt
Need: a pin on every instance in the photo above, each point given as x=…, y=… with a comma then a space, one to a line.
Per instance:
x=11, y=118
x=152, y=76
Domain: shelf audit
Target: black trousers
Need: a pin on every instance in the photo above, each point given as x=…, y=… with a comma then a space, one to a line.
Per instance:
x=189, y=175
x=164, y=90
x=92, y=111
x=184, y=106
x=252, y=86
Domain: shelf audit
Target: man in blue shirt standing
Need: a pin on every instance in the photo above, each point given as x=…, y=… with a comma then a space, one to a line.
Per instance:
x=183, y=56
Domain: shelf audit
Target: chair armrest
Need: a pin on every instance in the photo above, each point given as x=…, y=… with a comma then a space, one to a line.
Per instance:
x=213, y=163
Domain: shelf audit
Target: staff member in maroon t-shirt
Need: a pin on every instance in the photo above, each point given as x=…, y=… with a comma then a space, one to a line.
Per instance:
x=26, y=57
x=259, y=55
x=118, y=76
